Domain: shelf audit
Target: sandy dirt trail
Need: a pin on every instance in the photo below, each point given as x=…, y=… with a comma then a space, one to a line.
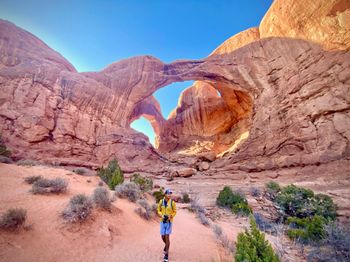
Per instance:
x=117, y=236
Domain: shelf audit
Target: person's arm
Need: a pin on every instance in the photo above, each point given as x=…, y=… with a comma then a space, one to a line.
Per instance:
x=174, y=209
x=159, y=209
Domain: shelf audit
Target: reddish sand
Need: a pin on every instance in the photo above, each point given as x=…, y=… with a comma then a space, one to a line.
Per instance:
x=117, y=236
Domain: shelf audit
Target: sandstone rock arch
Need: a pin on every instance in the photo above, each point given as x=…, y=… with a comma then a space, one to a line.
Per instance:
x=299, y=93
x=203, y=120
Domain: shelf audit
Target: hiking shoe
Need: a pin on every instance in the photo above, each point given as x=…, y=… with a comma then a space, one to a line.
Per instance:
x=166, y=259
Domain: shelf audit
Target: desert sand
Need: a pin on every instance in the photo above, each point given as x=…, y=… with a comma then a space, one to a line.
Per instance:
x=120, y=235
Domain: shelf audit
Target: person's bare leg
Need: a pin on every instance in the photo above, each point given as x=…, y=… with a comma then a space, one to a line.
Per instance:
x=163, y=238
x=167, y=244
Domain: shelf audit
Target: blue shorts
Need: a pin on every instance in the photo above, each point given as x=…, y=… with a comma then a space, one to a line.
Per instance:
x=165, y=228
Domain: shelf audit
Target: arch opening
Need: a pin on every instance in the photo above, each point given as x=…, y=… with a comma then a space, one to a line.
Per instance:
x=210, y=116
x=144, y=126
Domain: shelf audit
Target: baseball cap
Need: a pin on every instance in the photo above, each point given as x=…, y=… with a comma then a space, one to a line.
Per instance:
x=168, y=191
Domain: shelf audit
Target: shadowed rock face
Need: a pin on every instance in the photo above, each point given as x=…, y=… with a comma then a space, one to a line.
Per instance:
x=294, y=94
x=205, y=121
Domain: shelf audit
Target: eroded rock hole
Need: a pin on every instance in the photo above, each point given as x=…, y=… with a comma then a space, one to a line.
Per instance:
x=209, y=117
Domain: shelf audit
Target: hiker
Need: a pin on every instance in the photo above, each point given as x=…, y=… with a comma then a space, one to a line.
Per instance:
x=166, y=211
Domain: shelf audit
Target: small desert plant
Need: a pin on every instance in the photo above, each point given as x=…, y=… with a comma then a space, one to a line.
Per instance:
x=307, y=229
x=242, y=209
x=272, y=188
x=200, y=211
x=225, y=242
x=145, y=183
x=203, y=219
x=196, y=207
x=234, y=200
x=252, y=246
x=335, y=247
x=158, y=195
x=79, y=171
x=5, y=160
x=78, y=209
x=27, y=162
x=154, y=209
x=217, y=230
x=186, y=198
x=43, y=186
x=13, y=219
x=301, y=202
x=101, y=198
x=255, y=192
x=263, y=224
x=3, y=149
x=112, y=175
x=128, y=190
x=32, y=179
x=144, y=210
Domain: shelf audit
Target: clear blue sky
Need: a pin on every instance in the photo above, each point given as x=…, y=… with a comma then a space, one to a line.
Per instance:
x=93, y=34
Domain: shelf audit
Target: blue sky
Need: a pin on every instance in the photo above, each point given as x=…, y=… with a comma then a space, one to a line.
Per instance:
x=93, y=34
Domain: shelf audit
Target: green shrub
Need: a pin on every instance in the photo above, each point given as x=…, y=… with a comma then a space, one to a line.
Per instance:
x=3, y=149
x=158, y=195
x=251, y=246
x=101, y=198
x=13, y=218
x=234, y=200
x=324, y=206
x=78, y=209
x=227, y=198
x=300, y=202
x=242, y=209
x=307, y=229
x=32, y=179
x=112, y=175
x=186, y=198
x=145, y=183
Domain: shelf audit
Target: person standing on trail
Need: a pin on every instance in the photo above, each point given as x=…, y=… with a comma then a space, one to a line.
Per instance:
x=166, y=210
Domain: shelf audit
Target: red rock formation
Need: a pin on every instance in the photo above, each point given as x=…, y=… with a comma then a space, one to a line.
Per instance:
x=299, y=93
x=204, y=121
x=237, y=41
x=324, y=22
